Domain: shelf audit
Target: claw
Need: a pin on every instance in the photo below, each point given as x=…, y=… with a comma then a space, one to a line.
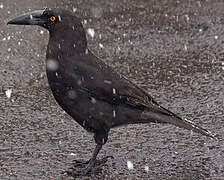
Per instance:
x=80, y=164
x=83, y=168
x=76, y=172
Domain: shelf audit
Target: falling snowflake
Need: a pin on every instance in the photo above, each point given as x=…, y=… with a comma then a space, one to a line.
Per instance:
x=146, y=168
x=91, y=32
x=52, y=64
x=41, y=32
x=114, y=113
x=130, y=165
x=84, y=21
x=114, y=91
x=8, y=93
x=72, y=154
x=107, y=82
x=72, y=94
x=101, y=45
x=59, y=18
x=74, y=9
x=187, y=17
x=93, y=100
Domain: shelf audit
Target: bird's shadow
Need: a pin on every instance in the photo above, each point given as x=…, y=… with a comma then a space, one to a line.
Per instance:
x=79, y=166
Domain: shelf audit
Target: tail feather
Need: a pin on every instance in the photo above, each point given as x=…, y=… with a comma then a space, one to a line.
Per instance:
x=175, y=120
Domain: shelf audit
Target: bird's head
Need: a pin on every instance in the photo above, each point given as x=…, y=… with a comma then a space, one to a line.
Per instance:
x=47, y=18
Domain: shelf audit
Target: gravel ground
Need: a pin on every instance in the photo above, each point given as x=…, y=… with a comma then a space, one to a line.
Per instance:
x=173, y=49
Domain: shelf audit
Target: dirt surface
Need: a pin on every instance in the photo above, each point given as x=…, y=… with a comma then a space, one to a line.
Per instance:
x=173, y=49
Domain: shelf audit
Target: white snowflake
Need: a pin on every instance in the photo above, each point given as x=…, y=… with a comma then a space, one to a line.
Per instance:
x=114, y=91
x=146, y=168
x=74, y=9
x=130, y=165
x=91, y=32
x=59, y=18
x=8, y=93
x=52, y=64
x=114, y=113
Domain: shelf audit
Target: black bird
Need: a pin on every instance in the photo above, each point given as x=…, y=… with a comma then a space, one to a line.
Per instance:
x=92, y=93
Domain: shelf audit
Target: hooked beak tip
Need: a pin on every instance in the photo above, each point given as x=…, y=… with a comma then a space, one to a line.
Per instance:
x=10, y=22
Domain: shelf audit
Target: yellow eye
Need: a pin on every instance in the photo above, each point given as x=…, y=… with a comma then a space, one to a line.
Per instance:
x=52, y=18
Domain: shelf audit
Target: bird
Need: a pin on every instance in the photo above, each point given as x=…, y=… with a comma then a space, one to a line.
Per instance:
x=90, y=91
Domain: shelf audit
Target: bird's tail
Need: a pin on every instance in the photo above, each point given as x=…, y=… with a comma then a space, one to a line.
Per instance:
x=171, y=118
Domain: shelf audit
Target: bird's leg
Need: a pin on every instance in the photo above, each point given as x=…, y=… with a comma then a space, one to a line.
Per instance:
x=93, y=158
x=100, y=139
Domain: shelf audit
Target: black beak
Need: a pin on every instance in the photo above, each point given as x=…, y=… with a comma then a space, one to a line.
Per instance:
x=31, y=18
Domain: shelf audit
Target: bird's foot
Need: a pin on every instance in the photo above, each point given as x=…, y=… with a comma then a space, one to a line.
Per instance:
x=100, y=163
x=82, y=168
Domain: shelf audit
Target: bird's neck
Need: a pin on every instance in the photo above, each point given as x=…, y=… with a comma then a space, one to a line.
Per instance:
x=66, y=43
